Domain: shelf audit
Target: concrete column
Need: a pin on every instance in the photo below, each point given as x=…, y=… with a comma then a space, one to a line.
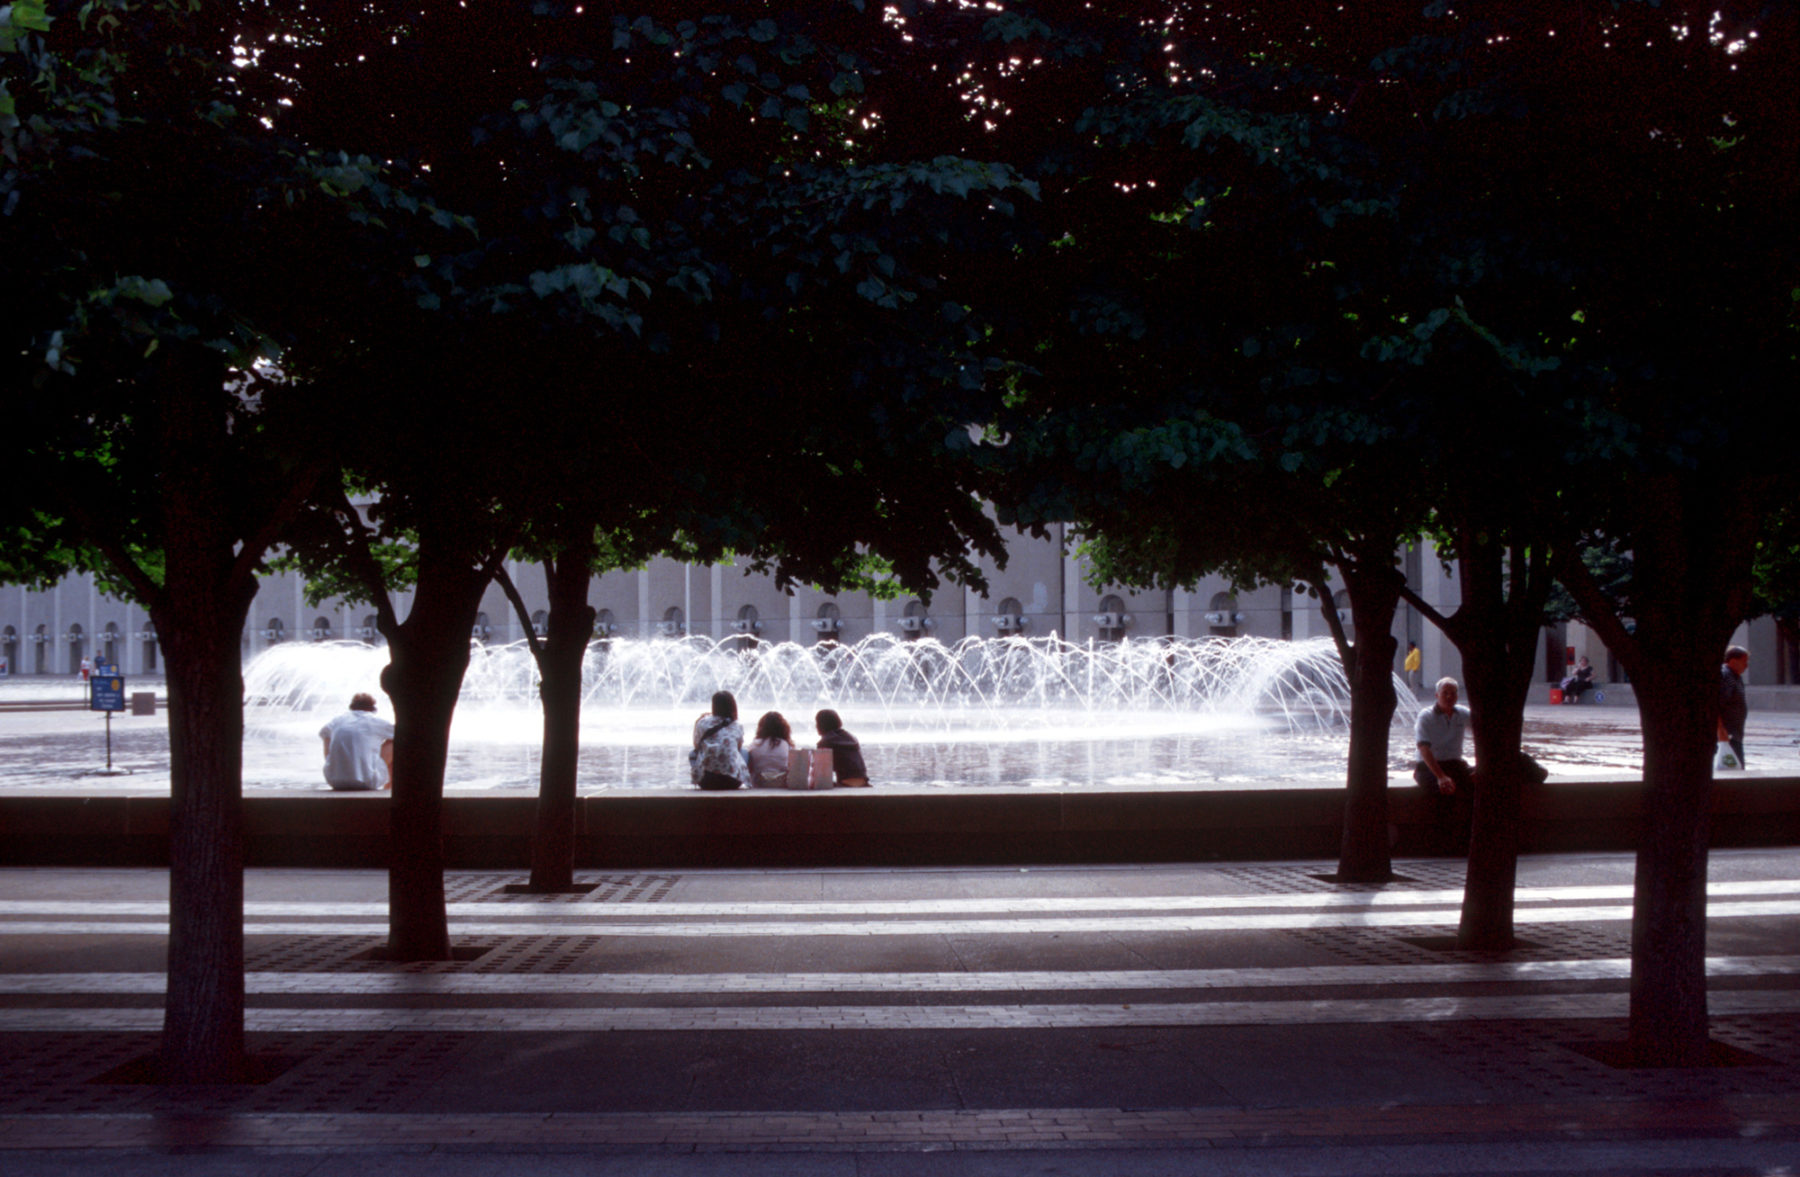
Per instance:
x=796, y=622
x=717, y=586
x=1071, y=589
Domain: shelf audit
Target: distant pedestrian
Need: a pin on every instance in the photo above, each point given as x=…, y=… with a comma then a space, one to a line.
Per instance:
x=1734, y=709
x=846, y=754
x=1413, y=665
x=87, y=669
x=359, y=748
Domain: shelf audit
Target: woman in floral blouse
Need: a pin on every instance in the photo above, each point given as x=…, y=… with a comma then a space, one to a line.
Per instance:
x=717, y=761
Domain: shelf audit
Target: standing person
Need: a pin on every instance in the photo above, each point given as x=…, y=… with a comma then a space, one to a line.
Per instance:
x=717, y=761
x=846, y=754
x=1734, y=709
x=768, y=754
x=359, y=748
x=1415, y=661
x=1441, y=769
x=87, y=669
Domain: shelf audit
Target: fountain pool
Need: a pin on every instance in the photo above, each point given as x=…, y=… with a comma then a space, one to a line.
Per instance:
x=1038, y=712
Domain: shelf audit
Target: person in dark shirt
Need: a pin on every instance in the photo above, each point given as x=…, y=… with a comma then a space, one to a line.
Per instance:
x=1733, y=709
x=846, y=754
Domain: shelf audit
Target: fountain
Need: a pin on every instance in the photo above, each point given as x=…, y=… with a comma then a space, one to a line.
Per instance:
x=1169, y=712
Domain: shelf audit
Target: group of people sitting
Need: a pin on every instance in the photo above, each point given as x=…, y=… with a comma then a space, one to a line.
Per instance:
x=721, y=761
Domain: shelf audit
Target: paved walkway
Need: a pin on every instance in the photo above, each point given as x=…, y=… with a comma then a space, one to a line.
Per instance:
x=1182, y=1019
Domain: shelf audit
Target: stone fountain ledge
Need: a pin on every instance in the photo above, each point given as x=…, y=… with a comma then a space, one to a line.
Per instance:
x=685, y=829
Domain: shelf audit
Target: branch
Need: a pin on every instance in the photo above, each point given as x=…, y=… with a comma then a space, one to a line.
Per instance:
x=250, y=554
x=505, y=580
x=361, y=557
x=150, y=594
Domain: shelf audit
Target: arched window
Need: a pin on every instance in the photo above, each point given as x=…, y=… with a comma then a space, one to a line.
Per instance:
x=109, y=643
x=829, y=622
x=275, y=632
x=77, y=647
x=147, y=636
x=367, y=632
x=673, y=623
x=321, y=629
x=41, y=639
x=747, y=626
x=481, y=630
x=605, y=624
x=540, y=623
x=9, y=650
x=1010, y=619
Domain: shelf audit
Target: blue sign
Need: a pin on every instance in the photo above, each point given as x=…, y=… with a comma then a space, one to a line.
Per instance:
x=107, y=694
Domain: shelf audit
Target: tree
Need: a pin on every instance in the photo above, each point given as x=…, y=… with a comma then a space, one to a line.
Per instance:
x=142, y=217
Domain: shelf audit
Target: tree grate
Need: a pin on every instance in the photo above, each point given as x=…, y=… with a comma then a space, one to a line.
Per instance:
x=1310, y=880
x=491, y=887
x=1536, y=1058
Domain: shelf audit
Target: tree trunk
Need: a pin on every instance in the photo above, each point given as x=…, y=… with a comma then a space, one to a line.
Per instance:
x=1679, y=716
x=199, y=616
x=203, y=1016
x=1366, y=855
x=429, y=655
x=1499, y=722
x=559, y=665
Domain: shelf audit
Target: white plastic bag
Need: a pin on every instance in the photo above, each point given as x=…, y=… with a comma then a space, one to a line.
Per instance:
x=1725, y=760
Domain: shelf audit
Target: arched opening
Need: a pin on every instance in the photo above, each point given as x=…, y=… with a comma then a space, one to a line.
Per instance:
x=109, y=644
x=1112, y=621
x=829, y=623
x=540, y=622
x=915, y=621
x=480, y=631
x=746, y=629
x=147, y=637
x=367, y=633
x=9, y=650
x=605, y=624
x=673, y=623
x=321, y=629
x=1010, y=620
x=274, y=632
x=77, y=648
x=1222, y=615
x=41, y=662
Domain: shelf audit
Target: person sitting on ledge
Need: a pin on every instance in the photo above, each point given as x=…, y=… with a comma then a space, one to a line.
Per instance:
x=768, y=755
x=1441, y=769
x=846, y=754
x=359, y=748
x=1581, y=680
x=717, y=761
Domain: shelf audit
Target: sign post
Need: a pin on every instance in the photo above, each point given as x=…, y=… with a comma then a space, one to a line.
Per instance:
x=106, y=692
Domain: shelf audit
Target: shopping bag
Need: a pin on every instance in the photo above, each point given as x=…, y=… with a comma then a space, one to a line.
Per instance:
x=809, y=769
x=1726, y=760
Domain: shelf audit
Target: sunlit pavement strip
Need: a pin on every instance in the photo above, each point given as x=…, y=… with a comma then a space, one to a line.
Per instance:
x=1024, y=981
x=1523, y=896
x=598, y=924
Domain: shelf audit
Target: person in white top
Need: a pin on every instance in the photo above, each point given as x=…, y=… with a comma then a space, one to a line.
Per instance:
x=768, y=756
x=359, y=748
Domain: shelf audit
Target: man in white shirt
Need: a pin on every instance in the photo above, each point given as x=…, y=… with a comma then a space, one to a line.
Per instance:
x=359, y=748
x=1441, y=769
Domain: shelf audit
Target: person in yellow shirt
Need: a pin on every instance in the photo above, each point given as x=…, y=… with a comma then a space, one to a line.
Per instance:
x=1414, y=662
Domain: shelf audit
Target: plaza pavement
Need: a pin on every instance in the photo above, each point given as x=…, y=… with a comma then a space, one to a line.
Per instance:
x=1231, y=1018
